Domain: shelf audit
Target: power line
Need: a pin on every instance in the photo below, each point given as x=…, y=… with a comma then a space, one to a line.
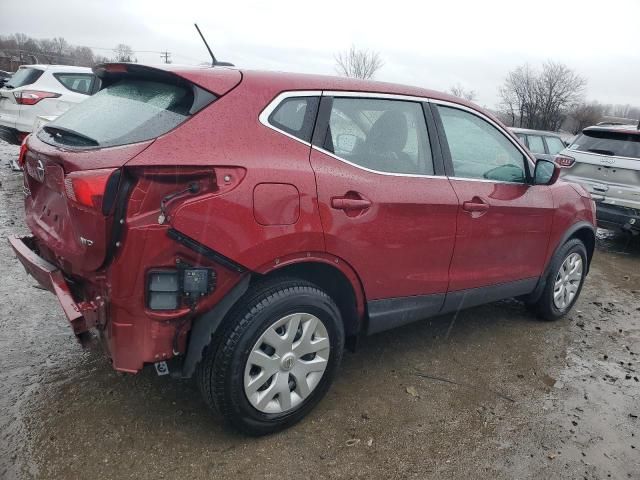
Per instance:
x=134, y=51
x=166, y=55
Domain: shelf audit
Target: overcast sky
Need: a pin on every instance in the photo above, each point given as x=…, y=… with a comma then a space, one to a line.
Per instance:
x=429, y=44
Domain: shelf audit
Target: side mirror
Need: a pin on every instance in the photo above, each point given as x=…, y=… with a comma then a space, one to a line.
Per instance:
x=546, y=173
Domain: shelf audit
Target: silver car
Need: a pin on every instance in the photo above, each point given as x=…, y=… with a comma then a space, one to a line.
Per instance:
x=605, y=159
x=544, y=145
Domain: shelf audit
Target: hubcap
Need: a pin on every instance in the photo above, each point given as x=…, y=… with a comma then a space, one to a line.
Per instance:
x=567, y=281
x=286, y=363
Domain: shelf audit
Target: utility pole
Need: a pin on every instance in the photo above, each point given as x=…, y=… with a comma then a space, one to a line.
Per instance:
x=166, y=56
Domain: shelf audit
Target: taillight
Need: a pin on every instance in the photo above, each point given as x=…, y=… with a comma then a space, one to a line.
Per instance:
x=23, y=152
x=564, y=161
x=31, y=97
x=89, y=188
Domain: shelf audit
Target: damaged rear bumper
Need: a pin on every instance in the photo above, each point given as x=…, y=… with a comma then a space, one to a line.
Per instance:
x=81, y=315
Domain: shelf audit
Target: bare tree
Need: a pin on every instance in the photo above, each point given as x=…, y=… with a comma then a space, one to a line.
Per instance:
x=540, y=100
x=123, y=53
x=459, y=91
x=584, y=115
x=22, y=49
x=357, y=63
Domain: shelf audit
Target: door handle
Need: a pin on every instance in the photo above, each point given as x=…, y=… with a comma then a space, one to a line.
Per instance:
x=475, y=205
x=348, y=204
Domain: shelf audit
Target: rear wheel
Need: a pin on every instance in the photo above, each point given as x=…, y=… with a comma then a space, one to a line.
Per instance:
x=564, y=281
x=276, y=357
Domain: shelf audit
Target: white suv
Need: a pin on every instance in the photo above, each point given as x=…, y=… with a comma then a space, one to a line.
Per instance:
x=605, y=159
x=37, y=93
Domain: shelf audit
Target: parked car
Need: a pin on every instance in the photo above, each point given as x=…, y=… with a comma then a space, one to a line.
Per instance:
x=605, y=159
x=41, y=90
x=249, y=225
x=542, y=144
x=4, y=77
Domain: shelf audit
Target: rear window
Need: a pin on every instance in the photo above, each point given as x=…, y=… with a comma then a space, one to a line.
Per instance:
x=535, y=143
x=618, y=144
x=296, y=116
x=128, y=111
x=24, y=76
x=76, y=82
x=554, y=144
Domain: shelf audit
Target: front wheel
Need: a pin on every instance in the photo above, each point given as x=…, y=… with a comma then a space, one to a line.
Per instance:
x=276, y=358
x=564, y=281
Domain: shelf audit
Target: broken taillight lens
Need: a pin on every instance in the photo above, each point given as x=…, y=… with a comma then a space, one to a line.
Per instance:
x=88, y=188
x=564, y=161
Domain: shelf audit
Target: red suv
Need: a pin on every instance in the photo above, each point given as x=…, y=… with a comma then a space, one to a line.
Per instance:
x=248, y=225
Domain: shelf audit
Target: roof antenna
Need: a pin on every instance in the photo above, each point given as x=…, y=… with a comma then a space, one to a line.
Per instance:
x=214, y=62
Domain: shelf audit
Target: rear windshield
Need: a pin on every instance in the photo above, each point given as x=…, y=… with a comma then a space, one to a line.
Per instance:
x=617, y=144
x=128, y=111
x=24, y=76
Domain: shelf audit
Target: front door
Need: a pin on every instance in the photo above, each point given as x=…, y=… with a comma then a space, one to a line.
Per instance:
x=504, y=222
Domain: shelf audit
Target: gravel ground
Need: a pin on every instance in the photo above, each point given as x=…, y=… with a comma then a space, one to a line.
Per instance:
x=489, y=393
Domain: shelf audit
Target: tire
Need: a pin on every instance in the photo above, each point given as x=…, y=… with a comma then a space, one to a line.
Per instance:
x=550, y=308
x=286, y=383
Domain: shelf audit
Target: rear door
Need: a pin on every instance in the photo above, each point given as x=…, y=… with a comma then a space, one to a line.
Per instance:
x=386, y=207
x=504, y=222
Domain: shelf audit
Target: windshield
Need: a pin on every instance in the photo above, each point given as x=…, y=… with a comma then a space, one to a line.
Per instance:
x=24, y=76
x=618, y=144
x=127, y=111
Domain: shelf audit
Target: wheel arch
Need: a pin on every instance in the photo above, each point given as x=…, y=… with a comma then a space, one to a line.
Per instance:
x=587, y=235
x=583, y=231
x=329, y=273
x=335, y=277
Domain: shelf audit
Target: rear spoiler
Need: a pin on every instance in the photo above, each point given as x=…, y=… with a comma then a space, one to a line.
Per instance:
x=216, y=80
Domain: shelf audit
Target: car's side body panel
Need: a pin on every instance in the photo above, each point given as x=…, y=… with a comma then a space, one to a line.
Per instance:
x=508, y=242
x=270, y=207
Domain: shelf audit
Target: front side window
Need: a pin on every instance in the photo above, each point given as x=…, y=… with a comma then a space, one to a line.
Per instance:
x=479, y=150
x=76, y=82
x=383, y=135
x=554, y=144
x=536, y=144
x=296, y=116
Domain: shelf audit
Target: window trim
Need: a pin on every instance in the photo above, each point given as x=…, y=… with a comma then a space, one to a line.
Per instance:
x=440, y=153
